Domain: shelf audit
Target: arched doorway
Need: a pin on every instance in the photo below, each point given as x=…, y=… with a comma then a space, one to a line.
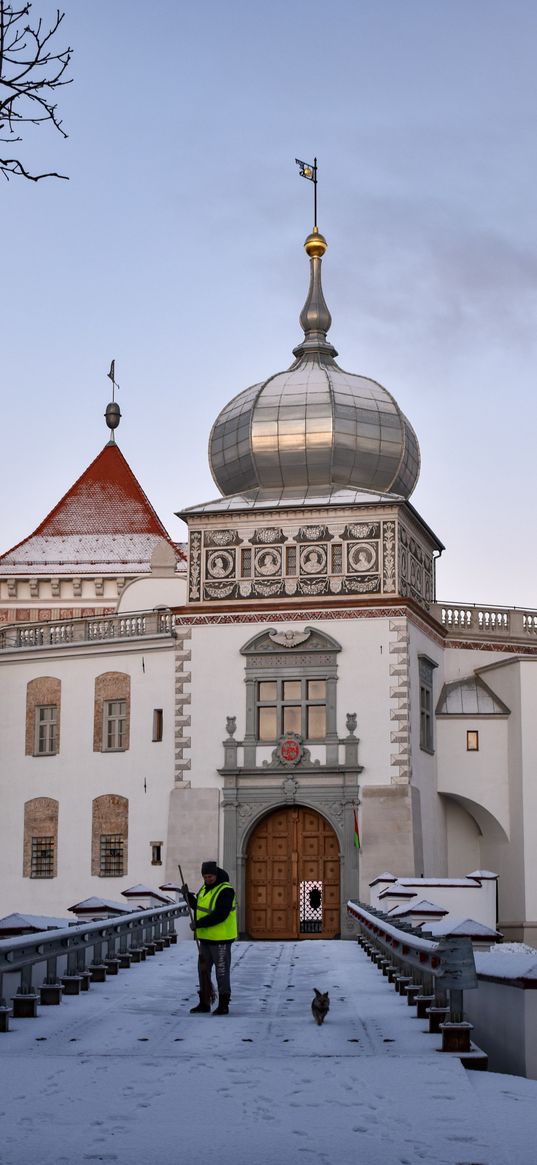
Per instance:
x=292, y=876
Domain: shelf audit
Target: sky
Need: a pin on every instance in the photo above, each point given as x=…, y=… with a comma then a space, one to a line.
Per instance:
x=123, y=1073
x=176, y=249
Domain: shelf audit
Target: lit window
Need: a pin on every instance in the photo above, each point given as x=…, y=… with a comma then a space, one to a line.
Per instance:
x=158, y=723
x=111, y=856
x=45, y=729
x=42, y=859
x=297, y=705
x=114, y=725
x=472, y=741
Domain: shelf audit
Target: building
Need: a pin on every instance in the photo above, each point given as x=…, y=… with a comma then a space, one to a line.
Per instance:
x=301, y=678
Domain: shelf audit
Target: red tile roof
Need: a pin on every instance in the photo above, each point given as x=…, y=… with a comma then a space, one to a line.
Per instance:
x=104, y=520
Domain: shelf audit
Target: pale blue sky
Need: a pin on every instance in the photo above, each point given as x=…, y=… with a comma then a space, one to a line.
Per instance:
x=176, y=247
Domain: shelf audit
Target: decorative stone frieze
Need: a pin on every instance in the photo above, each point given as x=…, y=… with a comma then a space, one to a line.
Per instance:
x=400, y=760
x=183, y=655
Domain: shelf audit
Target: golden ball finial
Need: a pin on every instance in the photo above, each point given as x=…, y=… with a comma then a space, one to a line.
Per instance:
x=316, y=244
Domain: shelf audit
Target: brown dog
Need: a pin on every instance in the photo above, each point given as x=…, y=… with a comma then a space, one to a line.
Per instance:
x=320, y=1006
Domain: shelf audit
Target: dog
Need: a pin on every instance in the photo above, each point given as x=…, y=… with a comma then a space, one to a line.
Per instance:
x=320, y=1006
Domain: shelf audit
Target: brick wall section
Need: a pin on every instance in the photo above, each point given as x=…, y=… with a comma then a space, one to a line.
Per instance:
x=111, y=685
x=45, y=690
x=40, y=820
x=110, y=814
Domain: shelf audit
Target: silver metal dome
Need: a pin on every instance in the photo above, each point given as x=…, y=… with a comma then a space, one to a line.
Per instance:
x=314, y=425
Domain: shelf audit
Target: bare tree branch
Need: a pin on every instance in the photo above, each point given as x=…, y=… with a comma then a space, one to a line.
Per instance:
x=30, y=72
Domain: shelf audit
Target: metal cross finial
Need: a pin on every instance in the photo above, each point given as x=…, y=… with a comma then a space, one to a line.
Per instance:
x=310, y=172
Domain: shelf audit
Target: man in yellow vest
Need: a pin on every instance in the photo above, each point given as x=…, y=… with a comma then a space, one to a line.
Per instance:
x=215, y=927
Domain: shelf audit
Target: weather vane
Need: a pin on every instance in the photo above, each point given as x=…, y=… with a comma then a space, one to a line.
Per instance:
x=310, y=172
x=112, y=376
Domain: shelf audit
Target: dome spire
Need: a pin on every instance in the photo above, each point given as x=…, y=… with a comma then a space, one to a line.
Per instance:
x=315, y=317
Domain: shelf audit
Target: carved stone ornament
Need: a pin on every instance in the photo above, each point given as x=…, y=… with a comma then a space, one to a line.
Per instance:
x=351, y=723
x=231, y=725
x=268, y=534
x=313, y=560
x=220, y=564
x=268, y=562
x=220, y=591
x=221, y=538
x=289, y=638
x=195, y=558
x=362, y=557
x=289, y=753
x=245, y=812
x=290, y=788
x=361, y=530
x=314, y=534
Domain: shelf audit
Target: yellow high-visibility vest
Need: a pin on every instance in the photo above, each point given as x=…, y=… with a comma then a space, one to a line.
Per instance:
x=205, y=903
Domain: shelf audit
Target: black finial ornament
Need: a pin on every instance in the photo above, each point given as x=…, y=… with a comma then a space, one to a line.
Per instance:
x=112, y=415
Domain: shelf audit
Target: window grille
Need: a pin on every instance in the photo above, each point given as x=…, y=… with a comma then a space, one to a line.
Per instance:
x=111, y=856
x=42, y=860
x=246, y=563
x=337, y=558
x=290, y=560
x=311, y=907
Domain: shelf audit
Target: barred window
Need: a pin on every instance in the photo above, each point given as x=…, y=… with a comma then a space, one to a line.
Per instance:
x=42, y=857
x=115, y=712
x=45, y=730
x=291, y=705
x=111, y=856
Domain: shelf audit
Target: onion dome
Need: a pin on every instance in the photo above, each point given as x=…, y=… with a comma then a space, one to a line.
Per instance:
x=314, y=426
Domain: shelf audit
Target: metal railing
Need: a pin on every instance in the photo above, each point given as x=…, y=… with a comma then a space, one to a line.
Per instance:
x=58, y=959
x=432, y=975
x=103, y=628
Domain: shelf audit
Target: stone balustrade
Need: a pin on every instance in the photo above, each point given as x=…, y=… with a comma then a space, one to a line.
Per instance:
x=480, y=622
x=68, y=632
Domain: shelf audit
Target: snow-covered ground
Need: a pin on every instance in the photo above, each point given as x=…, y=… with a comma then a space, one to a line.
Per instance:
x=124, y=1073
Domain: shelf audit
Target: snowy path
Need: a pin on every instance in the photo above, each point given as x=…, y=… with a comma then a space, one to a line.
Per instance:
x=124, y=1074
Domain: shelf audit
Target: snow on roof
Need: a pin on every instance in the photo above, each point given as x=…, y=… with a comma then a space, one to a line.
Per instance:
x=469, y=880
x=484, y=874
x=98, y=904
x=105, y=521
x=140, y=889
x=386, y=877
x=463, y=926
x=470, y=697
x=397, y=891
x=36, y=921
x=421, y=907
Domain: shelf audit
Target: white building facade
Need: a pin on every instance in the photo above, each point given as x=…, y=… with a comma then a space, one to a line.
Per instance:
x=300, y=679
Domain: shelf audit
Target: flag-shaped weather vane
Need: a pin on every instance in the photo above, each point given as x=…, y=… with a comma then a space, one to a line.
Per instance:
x=310, y=172
x=112, y=376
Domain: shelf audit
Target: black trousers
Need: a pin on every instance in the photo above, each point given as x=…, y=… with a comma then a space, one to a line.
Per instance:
x=217, y=955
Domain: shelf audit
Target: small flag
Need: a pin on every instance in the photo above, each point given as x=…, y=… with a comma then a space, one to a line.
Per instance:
x=306, y=170
x=112, y=374
x=356, y=832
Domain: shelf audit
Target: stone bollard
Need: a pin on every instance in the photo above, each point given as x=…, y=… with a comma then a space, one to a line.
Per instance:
x=25, y=1005
x=456, y=1036
x=50, y=994
x=72, y=984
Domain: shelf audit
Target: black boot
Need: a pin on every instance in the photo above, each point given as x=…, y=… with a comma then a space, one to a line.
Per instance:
x=223, y=1005
x=202, y=1007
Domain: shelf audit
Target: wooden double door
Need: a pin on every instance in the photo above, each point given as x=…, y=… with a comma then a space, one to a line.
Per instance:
x=292, y=877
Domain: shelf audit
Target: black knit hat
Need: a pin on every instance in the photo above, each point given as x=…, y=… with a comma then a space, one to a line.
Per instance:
x=209, y=867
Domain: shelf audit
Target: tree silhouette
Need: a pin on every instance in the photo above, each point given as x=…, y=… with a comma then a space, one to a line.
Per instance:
x=30, y=72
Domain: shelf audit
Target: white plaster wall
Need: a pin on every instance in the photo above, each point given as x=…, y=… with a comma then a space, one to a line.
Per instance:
x=505, y=1026
x=77, y=774
x=477, y=902
x=424, y=765
x=528, y=712
x=218, y=690
x=481, y=777
x=463, y=838
x=145, y=594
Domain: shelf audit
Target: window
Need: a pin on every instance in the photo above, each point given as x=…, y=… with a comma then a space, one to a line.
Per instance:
x=115, y=712
x=426, y=668
x=472, y=741
x=111, y=855
x=291, y=705
x=158, y=723
x=156, y=853
x=42, y=857
x=45, y=730
x=111, y=722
